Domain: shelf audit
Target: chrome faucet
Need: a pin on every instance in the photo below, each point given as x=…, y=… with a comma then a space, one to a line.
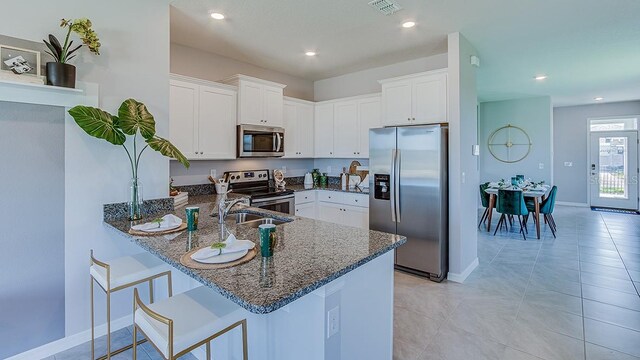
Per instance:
x=224, y=206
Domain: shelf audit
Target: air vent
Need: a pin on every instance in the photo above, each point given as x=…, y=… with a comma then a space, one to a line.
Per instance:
x=387, y=7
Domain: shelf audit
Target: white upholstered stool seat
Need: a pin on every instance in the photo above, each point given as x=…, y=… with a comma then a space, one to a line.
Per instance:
x=196, y=317
x=128, y=269
x=121, y=273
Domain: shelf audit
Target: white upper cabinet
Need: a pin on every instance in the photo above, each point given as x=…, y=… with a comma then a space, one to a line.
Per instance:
x=345, y=129
x=260, y=102
x=299, y=128
x=323, y=130
x=202, y=119
x=415, y=99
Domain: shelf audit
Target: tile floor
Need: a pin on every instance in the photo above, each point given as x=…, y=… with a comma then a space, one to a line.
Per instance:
x=574, y=297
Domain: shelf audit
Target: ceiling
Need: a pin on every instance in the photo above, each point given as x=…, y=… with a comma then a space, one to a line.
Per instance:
x=588, y=48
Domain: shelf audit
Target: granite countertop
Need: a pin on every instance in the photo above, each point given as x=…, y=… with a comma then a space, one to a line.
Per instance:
x=309, y=254
x=330, y=187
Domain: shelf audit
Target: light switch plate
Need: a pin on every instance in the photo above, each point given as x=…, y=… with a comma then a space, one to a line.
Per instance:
x=568, y=164
x=475, y=150
x=541, y=166
x=333, y=321
x=214, y=173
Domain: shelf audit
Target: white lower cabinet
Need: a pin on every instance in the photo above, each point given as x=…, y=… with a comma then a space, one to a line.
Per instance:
x=335, y=207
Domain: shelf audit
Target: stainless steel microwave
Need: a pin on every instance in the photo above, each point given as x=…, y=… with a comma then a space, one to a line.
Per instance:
x=260, y=141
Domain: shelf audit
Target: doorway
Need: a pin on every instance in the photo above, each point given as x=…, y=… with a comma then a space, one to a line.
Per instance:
x=613, y=169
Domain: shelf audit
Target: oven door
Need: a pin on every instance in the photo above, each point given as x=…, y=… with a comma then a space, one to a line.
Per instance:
x=260, y=141
x=284, y=204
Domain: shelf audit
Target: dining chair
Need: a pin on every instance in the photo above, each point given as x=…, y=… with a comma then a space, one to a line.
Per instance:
x=184, y=322
x=484, y=197
x=546, y=209
x=118, y=274
x=511, y=203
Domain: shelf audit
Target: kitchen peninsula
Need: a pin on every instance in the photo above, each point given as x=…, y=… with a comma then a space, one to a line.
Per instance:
x=317, y=268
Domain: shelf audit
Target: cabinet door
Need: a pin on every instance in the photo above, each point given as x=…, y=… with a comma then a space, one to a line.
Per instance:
x=323, y=131
x=291, y=137
x=305, y=133
x=307, y=210
x=251, y=102
x=345, y=129
x=183, y=117
x=355, y=216
x=430, y=99
x=331, y=213
x=396, y=104
x=369, y=112
x=217, y=123
x=273, y=103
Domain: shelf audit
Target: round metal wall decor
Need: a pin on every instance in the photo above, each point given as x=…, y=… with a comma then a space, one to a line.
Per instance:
x=509, y=144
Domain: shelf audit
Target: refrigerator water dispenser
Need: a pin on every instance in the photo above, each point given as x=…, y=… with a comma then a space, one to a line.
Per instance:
x=382, y=189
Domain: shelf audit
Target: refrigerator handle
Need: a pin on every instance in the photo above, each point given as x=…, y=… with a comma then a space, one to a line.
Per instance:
x=396, y=181
x=392, y=182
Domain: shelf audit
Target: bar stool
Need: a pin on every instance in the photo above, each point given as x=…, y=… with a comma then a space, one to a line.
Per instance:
x=179, y=324
x=118, y=274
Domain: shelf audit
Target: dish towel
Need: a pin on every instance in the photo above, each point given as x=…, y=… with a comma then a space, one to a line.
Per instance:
x=232, y=245
x=167, y=222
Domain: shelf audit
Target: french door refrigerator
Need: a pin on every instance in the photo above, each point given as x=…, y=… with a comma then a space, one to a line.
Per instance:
x=408, y=194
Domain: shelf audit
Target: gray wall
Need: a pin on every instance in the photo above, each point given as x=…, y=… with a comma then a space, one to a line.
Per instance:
x=533, y=115
x=570, y=131
x=32, y=221
x=204, y=65
x=366, y=81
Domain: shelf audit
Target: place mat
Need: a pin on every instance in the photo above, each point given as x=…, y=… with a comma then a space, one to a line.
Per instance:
x=182, y=227
x=187, y=261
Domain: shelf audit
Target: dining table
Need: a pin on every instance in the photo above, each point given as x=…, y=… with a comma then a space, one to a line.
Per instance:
x=537, y=193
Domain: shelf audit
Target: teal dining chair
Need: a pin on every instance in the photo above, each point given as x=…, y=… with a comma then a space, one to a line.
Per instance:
x=511, y=203
x=546, y=209
x=484, y=197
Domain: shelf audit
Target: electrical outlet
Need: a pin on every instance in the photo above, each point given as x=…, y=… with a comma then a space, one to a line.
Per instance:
x=214, y=173
x=333, y=321
x=568, y=164
x=541, y=166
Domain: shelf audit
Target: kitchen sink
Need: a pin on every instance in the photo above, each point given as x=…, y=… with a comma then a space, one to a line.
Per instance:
x=254, y=221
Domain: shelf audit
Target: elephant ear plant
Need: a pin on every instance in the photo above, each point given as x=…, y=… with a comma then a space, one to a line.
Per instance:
x=133, y=118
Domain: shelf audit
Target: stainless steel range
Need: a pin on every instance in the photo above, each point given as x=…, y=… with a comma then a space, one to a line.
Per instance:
x=257, y=185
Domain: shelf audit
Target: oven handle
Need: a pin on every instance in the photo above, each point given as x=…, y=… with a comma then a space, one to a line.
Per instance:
x=272, y=200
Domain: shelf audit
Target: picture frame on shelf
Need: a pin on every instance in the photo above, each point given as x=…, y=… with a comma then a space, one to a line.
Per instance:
x=20, y=65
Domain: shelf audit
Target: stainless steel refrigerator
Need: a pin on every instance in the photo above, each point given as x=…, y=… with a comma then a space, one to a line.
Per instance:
x=408, y=194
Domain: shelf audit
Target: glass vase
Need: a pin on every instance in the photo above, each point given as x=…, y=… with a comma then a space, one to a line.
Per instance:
x=135, y=200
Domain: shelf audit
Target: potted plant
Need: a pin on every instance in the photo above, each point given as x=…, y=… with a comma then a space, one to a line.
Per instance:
x=133, y=118
x=60, y=72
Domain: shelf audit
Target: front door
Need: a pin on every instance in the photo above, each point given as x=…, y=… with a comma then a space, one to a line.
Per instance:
x=613, y=169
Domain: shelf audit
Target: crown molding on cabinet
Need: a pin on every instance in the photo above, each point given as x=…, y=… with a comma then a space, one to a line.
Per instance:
x=235, y=79
x=202, y=82
x=411, y=76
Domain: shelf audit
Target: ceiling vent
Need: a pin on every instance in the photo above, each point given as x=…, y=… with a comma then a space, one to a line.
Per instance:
x=387, y=7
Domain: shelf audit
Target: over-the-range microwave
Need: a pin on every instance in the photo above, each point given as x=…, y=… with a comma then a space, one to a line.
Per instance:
x=260, y=141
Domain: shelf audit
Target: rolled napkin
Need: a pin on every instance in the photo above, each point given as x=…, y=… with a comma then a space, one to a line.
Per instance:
x=232, y=245
x=167, y=222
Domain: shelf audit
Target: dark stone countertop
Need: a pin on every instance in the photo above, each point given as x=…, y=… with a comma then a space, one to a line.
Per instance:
x=309, y=254
x=330, y=187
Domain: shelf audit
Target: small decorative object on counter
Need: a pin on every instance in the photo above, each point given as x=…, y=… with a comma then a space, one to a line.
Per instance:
x=344, y=178
x=315, y=174
x=133, y=118
x=324, y=180
x=268, y=239
x=514, y=181
x=308, y=179
x=60, y=73
x=172, y=190
x=278, y=178
x=192, y=213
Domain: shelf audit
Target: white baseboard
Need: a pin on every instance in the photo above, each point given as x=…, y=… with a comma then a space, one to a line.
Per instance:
x=574, y=204
x=460, y=278
x=68, y=342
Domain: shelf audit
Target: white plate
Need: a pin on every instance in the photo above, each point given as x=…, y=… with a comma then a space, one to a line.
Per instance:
x=161, y=229
x=224, y=258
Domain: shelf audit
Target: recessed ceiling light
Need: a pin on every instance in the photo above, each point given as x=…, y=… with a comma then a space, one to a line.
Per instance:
x=598, y=98
x=541, y=77
x=310, y=53
x=408, y=24
x=217, y=16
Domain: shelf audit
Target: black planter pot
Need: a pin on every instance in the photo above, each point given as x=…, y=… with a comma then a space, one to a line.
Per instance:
x=59, y=74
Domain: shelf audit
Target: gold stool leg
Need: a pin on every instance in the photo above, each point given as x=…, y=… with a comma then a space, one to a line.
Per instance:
x=134, y=343
x=208, y=350
x=169, y=284
x=109, y=324
x=151, y=291
x=92, y=323
x=245, y=351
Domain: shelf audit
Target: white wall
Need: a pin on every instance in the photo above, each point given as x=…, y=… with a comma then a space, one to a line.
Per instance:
x=572, y=121
x=366, y=81
x=204, y=65
x=463, y=166
x=134, y=63
x=534, y=116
